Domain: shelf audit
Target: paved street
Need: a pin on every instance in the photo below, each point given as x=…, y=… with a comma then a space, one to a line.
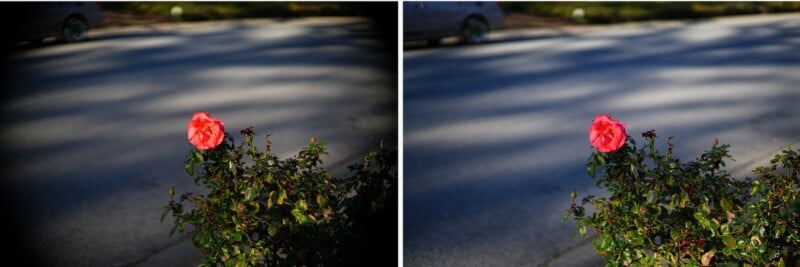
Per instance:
x=496, y=135
x=94, y=133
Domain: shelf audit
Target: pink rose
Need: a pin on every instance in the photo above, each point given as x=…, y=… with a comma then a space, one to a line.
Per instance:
x=205, y=131
x=607, y=134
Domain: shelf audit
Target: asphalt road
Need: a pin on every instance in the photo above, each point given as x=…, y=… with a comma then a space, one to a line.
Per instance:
x=94, y=133
x=496, y=135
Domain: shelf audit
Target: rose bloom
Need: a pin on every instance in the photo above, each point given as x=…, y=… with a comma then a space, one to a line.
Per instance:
x=205, y=131
x=607, y=134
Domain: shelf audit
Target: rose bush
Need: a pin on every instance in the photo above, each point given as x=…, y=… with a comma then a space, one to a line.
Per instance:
x=662, y=211
x=259, y=209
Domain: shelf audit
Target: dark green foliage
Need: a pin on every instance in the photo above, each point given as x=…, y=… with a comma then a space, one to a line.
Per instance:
x=663, y=211
x=262, y=210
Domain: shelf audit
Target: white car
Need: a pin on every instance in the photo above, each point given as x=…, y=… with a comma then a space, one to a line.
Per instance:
x=69, y=21
x=432, y=21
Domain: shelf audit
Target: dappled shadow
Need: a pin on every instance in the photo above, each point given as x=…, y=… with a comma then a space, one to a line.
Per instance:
x=94, y=132
x=495, y=136
x=496, y=37
x=507, y=35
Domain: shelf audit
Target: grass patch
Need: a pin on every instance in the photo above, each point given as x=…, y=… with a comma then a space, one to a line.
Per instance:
x=614, y=12
x=203, y=11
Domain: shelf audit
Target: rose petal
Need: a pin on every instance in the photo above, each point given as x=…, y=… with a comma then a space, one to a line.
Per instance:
x=607, y=134
x=205, y=131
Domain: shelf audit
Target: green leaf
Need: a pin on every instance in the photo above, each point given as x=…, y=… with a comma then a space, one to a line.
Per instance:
x=301, y=205
x=269, y=199
x=237, y=237
x=705, y=207
x=755, y=187
x=600, y=159
x=725, y=228
x=684, y=200
x=582, y=230
x=189, y=168
x=726, y=204
x=322, y=201
x=651, y=196
x=197, y=156
x=272, y=230
x=779, y=231
x=282, y=196
x=701, y=219
x=727, y=251
x=299, y=216
x=249, y=193
x=729, y=241
x=608, y=242
x=591, y=171
x=714, y=223
x=638, y=240
x=672, y=202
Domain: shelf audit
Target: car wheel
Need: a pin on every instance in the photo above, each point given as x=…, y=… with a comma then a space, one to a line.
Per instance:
x=474, y=31
x=75, y=30
x=434, y=41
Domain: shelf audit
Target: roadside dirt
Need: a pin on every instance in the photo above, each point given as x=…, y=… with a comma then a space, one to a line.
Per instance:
x=517, y=20
x=111, y=19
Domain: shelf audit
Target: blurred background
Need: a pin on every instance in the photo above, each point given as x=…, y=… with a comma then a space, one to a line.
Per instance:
x=142, y=13
x=127, y=13
x=543, y=14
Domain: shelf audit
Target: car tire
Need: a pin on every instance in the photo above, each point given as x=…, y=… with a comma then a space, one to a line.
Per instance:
x=434, y=41
x=474, y=31
x=75, y=30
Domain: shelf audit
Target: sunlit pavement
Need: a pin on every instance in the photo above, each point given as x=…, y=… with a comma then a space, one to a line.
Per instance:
x=94, y=133
x=496, y=135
